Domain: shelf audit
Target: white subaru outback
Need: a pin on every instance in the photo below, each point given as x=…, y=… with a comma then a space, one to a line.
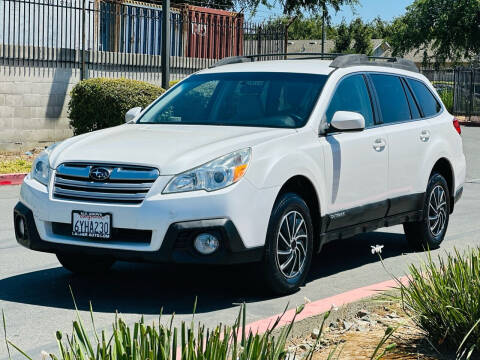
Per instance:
x=252, y=162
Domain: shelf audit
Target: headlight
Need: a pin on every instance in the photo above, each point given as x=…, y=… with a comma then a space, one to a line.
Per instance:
x=41, y=166
x=211, y=176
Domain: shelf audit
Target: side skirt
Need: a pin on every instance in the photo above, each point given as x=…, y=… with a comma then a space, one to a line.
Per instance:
x=350, y=231
x=396, y=211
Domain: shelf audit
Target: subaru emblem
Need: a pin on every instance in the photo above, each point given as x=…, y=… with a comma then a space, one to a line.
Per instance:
x=99, y=173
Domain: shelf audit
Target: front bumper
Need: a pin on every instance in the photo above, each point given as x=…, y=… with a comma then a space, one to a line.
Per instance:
x=177, y=245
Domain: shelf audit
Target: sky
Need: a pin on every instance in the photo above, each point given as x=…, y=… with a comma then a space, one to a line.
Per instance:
x=367, y=10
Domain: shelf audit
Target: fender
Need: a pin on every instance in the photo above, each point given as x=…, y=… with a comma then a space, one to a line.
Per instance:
x=273, y=167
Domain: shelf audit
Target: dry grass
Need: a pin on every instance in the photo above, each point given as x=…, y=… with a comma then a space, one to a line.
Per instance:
x=360, y=345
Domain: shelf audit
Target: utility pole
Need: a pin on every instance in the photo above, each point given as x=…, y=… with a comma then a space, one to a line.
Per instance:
x=83, y=70
x=324, y=35
x=166, y=44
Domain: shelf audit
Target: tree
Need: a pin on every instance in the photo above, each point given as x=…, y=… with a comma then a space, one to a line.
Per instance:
x=451, y=29
x=362, y=37
x=215, y=4
x=343, y=38
x=295, y=7
x=380, y=29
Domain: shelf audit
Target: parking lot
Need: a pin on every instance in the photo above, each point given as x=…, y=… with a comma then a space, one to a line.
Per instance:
x=34, y=289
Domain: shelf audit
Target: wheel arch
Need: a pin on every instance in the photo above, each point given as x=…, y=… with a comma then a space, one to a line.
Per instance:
x=304, y=187
x=444, y=167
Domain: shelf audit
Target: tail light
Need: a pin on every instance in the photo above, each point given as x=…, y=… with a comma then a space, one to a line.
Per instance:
x=456, y=125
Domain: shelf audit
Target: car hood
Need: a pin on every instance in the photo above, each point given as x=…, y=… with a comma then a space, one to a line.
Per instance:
x=170, y=148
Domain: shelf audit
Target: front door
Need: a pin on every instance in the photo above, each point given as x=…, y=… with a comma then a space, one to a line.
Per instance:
x=355, y=162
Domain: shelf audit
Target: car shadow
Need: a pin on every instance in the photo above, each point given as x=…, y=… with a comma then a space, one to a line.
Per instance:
x=147, y=288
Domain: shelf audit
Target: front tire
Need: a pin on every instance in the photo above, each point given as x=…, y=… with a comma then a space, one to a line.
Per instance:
x=289, y=245
x=85, y=264
x=430, y=232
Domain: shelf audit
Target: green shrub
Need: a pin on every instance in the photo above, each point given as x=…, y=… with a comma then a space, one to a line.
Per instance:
x=443, y=298
x=447, y=99
x=100, y=103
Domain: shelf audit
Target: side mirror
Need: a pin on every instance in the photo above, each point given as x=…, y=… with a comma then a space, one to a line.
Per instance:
x=132, y=114
x=348, y=121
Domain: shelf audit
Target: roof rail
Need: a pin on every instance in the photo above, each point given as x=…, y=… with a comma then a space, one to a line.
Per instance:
x=339, y=60
x=251, y=58
x=360, y=59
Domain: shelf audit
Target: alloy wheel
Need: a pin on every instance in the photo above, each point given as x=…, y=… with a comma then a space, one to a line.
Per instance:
x=437, y=210
x=292, y=247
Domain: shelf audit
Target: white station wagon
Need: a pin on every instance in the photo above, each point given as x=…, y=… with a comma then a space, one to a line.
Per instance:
x=252, y=162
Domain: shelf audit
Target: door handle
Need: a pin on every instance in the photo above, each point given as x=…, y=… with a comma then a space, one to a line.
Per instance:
x=425, y=135
x=379, y=144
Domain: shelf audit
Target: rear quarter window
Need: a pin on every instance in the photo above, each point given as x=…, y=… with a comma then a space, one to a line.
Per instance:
x=427, y=102
x=391, y=97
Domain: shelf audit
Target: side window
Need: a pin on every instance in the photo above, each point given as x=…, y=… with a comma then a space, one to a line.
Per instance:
x=426, y=100
x=413, y=105
x=393, y=103
x=352, y=95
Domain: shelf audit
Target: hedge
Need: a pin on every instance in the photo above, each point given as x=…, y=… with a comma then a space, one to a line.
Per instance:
x=101, y=103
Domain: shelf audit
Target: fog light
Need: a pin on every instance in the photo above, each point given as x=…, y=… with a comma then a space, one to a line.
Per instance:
x=206, y=243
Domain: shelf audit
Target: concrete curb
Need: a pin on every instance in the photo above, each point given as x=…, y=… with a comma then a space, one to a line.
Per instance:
x=11, y=179
x=321, y=306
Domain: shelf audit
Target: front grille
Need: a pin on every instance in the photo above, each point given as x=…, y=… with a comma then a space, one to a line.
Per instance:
x=118, y=235
x=126, y=183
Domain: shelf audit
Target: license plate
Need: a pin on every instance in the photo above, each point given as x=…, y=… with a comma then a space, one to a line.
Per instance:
x=91, y=224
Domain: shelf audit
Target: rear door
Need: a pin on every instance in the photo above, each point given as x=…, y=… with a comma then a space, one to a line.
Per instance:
x=408, y=134
x=355, y=161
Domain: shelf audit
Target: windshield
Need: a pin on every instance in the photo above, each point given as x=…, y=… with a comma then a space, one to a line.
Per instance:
x=283, y=100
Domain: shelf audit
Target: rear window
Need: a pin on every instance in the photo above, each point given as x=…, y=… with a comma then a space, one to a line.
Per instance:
x=425, y=98
x=391, y=96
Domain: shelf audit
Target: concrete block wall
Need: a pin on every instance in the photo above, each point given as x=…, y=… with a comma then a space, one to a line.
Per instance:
x=33, y=106
x=34, y=100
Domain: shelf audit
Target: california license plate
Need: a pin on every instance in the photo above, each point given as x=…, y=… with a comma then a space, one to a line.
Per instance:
x=91, y=224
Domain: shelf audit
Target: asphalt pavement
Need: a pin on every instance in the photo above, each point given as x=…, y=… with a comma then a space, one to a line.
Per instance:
x=35, y=295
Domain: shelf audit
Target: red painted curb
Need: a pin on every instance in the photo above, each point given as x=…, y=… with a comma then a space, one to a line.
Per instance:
x=321, y=306
x=11, y=179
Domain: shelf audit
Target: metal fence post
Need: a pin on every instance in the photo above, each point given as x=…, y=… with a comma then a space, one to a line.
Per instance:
x=83, y=73
x=166, y=44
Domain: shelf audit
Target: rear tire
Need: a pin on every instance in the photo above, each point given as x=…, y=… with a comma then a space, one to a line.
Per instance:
x=85, y=264
x=430, y=232
x=289, y=245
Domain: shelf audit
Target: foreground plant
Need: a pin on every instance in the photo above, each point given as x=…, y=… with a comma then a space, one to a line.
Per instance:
x=443, y=299
x=166, y=342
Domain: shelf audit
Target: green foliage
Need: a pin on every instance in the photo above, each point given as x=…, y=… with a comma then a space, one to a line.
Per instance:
x=215, y=4
x=295, y=7
x=343, y=38
x=100, y=103
x=447, y=99
x=309, y=29
x=380, y=29
x=362, y=37
x=443, y=298
x=451, y=28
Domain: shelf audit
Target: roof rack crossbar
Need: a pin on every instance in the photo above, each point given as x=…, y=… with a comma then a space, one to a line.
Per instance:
x=359, y=59
x=339, y=60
